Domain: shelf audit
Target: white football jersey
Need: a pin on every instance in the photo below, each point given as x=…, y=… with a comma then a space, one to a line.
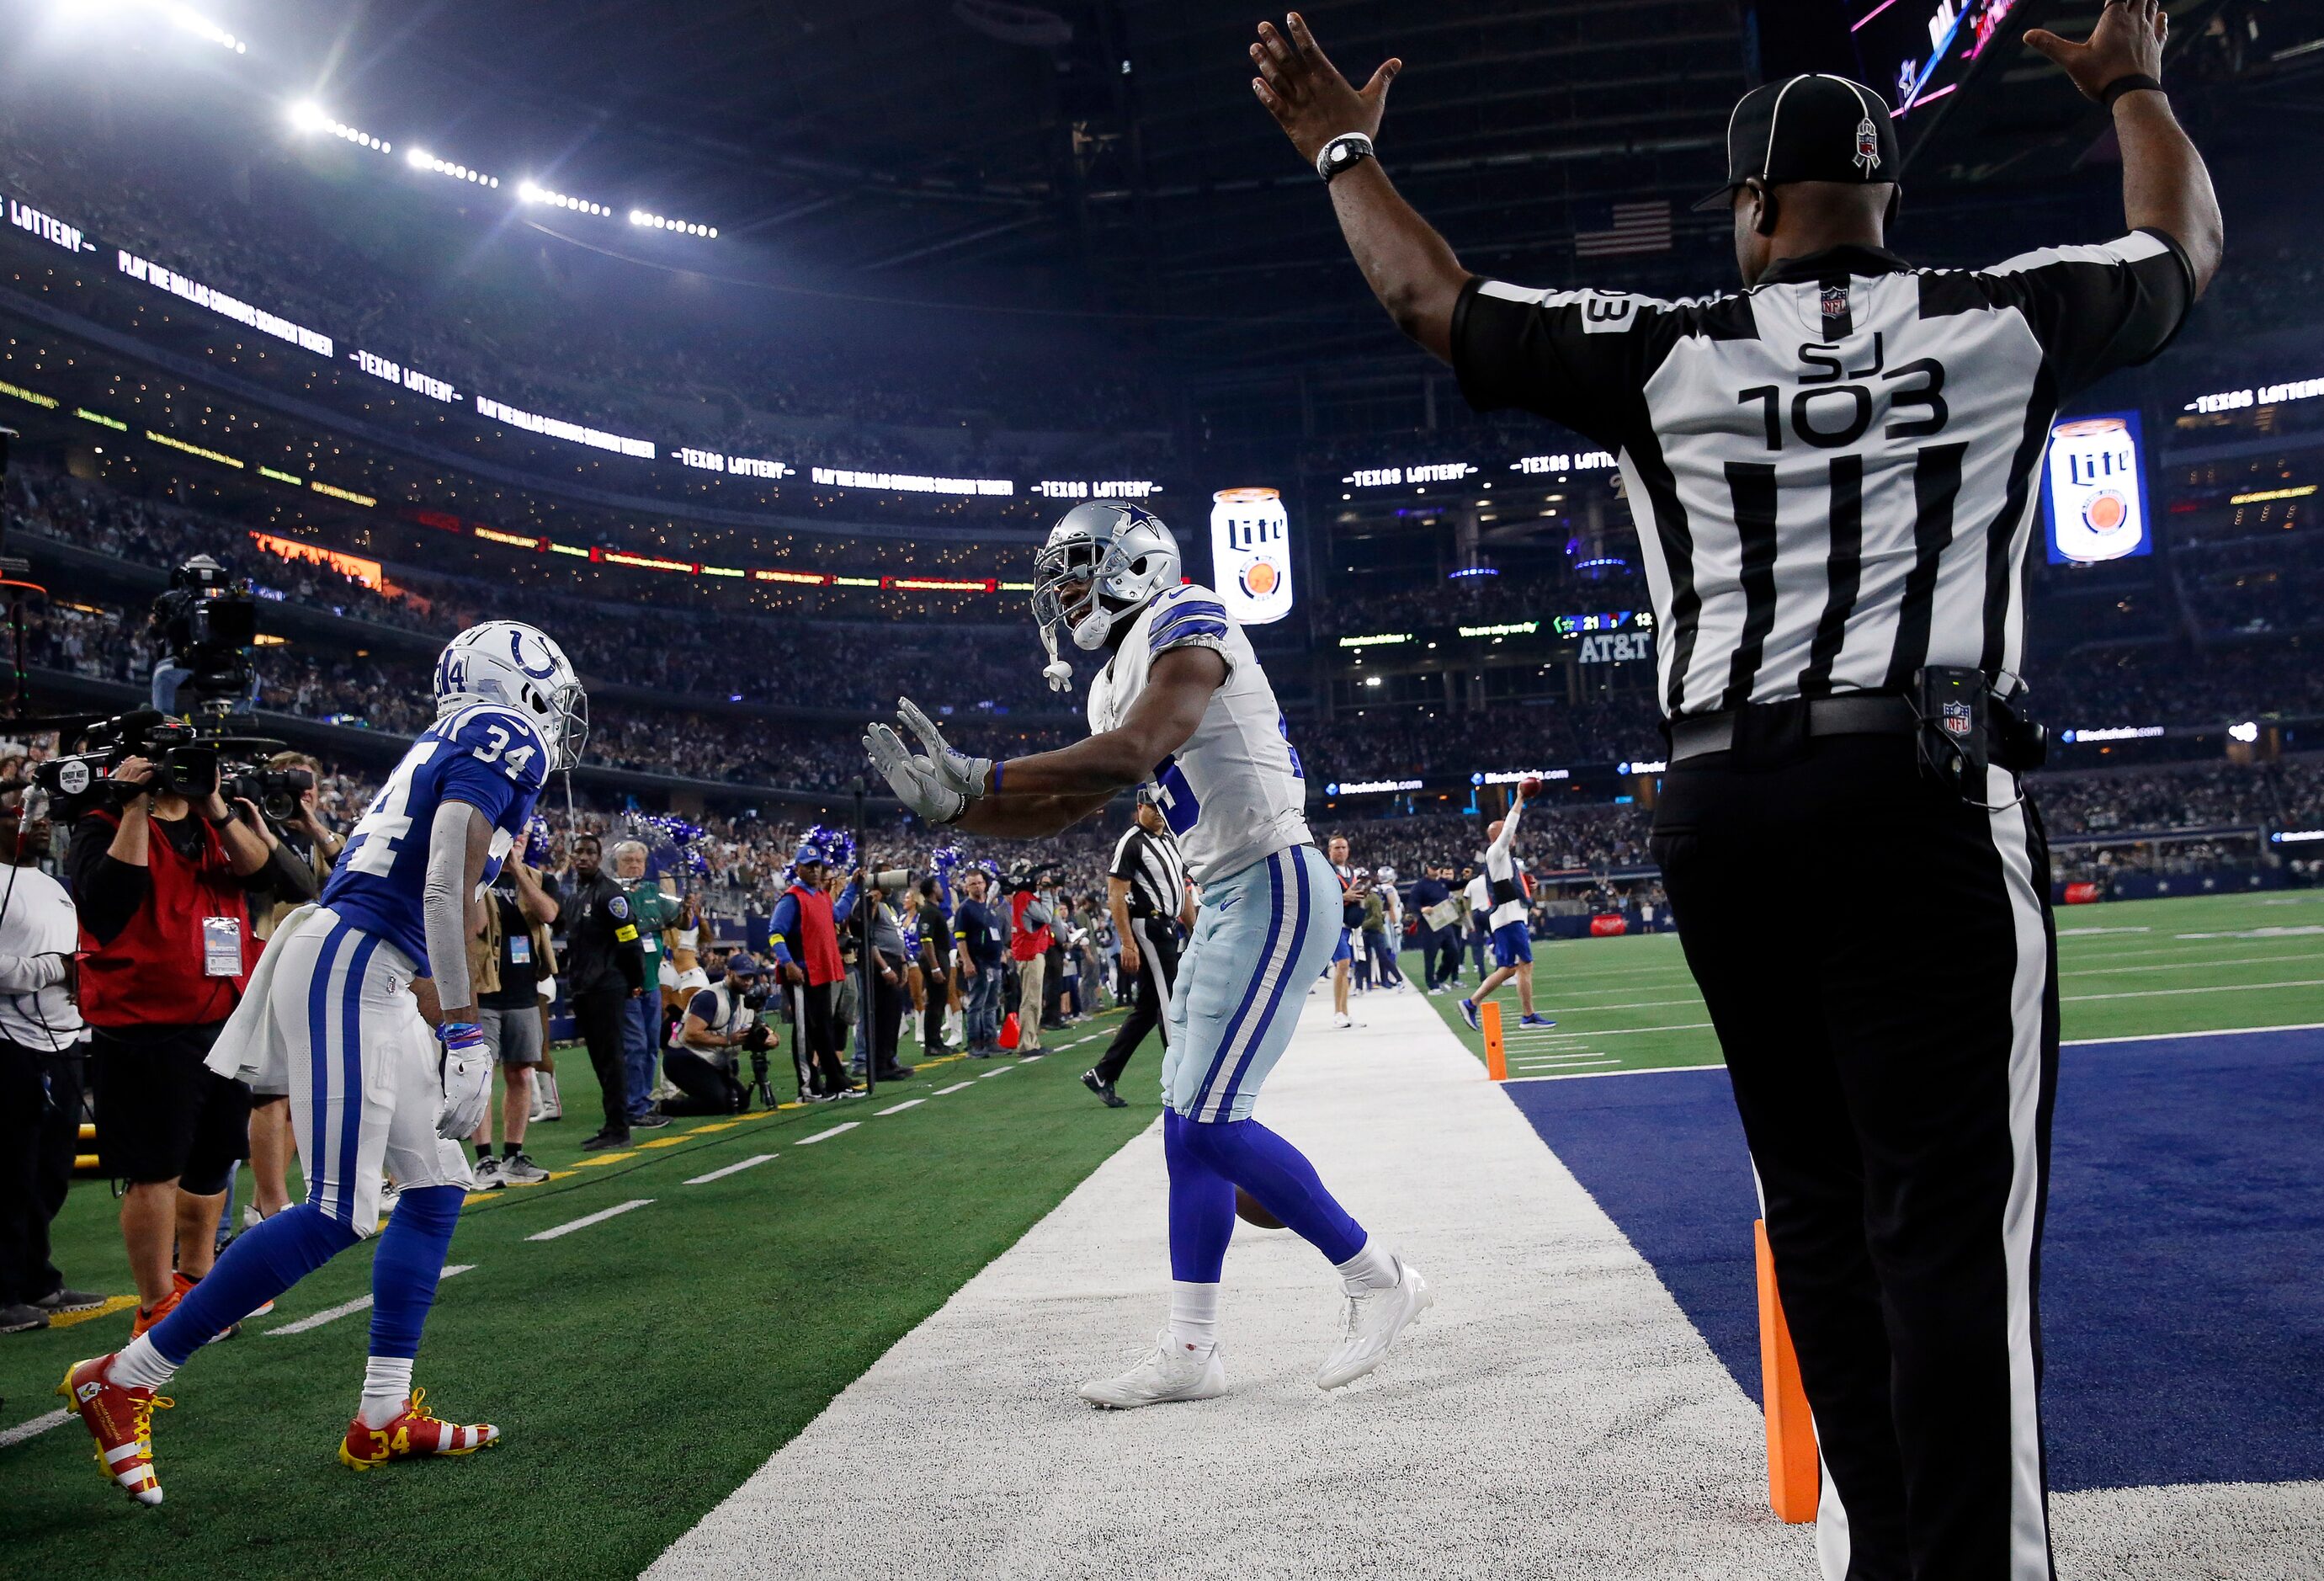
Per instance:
x=1234, y=794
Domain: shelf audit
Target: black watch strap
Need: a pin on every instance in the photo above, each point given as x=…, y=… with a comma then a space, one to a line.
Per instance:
x=2134, y=82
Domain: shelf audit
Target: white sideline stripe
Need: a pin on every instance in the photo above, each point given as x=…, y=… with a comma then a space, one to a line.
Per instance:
x=900, y=1108
x=1036, y=1058
x=1584, y=1074
x=827, y=1136
x=598, y=1217
x=2214, y=988
x=2191, y=966
x=1573, y=1064
x=33, y=1429
x=347, y=1309
x=732, y=1169
x=996, y=1070
x=2214, y=1033
x=955, y=1087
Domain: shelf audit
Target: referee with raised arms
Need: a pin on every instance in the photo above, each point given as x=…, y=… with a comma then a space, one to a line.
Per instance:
x=1834, y=471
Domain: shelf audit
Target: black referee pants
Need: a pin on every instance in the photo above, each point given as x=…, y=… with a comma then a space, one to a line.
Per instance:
x=601, y=1015
x=1157, y=973
x=1877, y=957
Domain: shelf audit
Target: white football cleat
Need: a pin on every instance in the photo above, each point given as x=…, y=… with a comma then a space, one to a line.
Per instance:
x=1169, y=1372
x=1375, y=1317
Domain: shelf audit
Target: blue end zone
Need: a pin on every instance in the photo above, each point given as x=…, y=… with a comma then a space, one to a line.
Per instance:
x=2183, y=1271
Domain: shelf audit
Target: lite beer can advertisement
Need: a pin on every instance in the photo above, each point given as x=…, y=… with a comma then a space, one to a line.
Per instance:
x=2094, y=490
x=1250, y=553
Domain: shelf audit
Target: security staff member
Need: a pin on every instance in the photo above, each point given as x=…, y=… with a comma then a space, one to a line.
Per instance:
x=604, y=971
x=1835, y=475
x=1146, y=890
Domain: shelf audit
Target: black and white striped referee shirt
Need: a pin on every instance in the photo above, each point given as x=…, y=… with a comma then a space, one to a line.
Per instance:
x=1834, y=472
x=1151, y=865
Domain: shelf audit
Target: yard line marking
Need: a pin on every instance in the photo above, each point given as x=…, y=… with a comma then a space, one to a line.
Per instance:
x=732, y=1169
x=1641, y=1070
x=2214, y=1033
x=347, y=1309
x=112, y=1304
x=827, y=1136
x=722, y=1125
x=2191, y=966
x=900, y=1108
x=998, y=1071
x=561, y=1174
x=1036, y=1058
x=663, y=1142
x=1633, y=1004
x=955, y=1087
x=604, y=1159
x=1634, y=1032
x=2214, y=988
x=1569, y=1064
x=33, y=1429
x=599, y=1217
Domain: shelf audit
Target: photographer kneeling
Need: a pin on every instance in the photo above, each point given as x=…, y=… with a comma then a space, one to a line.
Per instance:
x=164, y=887
x=701, y=1060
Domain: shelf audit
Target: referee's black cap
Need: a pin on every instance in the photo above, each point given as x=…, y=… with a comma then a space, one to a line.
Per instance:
x=1813, y=127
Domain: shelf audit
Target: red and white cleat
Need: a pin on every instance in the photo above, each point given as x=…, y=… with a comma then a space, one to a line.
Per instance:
x=417, y=1432
x=121, y=1420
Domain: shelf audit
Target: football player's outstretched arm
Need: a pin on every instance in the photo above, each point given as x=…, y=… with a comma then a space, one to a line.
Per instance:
x=459, y=843
x=1409, y=267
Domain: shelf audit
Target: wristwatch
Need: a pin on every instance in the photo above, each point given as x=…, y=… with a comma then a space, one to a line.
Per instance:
x=1344, y=152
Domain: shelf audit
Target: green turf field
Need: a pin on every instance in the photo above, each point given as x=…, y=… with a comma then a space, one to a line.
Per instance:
x=639, y=1368
x=2201, y=964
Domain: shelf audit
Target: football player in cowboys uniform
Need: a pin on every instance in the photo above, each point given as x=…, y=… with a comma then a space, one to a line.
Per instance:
x=1182, y=704
x=332, y=1016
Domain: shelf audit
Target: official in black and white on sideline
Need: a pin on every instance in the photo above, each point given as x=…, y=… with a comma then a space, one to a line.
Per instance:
x=1834, y=473
x=1146, y=890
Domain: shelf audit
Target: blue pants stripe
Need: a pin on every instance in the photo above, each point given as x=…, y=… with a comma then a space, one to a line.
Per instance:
x=1234, y=1025
x=351, y=1102
x=318, y=1060
x=1257, y=1035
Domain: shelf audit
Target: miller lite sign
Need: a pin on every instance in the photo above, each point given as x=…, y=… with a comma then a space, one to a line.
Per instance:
x=1250, y=553
x=2094, y=490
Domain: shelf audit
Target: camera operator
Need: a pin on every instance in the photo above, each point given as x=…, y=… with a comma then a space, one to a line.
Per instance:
x=41, y=1043
x=165, y=886
x=701, y=1061
x=307, y=839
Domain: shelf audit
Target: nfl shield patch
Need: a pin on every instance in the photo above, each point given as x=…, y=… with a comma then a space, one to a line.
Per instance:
x=1956, y=719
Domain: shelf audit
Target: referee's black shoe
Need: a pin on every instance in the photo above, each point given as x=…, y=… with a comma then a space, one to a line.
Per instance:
x=1104, y=1090
x=605, y=1139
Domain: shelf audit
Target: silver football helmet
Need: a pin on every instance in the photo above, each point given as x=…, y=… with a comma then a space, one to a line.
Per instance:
x=1102, y=560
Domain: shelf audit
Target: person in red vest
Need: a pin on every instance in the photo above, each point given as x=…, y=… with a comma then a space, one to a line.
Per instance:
x=162, y=885
x=1029, y=938
x=804, y=937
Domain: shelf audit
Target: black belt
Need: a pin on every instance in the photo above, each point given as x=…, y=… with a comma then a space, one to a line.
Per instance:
x=1883, y=715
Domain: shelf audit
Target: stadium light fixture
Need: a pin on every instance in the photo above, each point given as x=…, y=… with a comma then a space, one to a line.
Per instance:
x=530, y=191
x=420, y=158
x=188, y=20
x=641, y=216
x=306, y=116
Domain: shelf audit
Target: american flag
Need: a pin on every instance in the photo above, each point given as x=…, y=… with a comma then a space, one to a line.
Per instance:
x=1622, y=227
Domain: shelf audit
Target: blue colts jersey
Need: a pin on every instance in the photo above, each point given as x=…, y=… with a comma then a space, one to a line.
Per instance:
x=490, y=757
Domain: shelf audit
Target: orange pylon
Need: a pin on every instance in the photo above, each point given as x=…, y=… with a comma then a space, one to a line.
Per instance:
x=1795, y=1479
x=1496, y=1060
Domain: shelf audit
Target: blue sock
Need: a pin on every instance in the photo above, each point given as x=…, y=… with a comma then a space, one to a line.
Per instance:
x=410, y=1261
x=264, y=1261
x=1202, y=1207
x=1279, y=1177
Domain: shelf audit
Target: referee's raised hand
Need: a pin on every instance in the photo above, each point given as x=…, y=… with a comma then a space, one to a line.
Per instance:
x=1305, y=93
x=2126, y=42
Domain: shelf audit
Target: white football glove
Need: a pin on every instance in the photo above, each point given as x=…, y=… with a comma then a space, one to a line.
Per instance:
x=958, y=771
x=466, y=1065
x=916, y=782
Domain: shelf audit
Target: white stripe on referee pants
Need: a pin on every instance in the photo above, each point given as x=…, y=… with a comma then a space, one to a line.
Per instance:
x=1143, y=928
x=2029, y=1529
